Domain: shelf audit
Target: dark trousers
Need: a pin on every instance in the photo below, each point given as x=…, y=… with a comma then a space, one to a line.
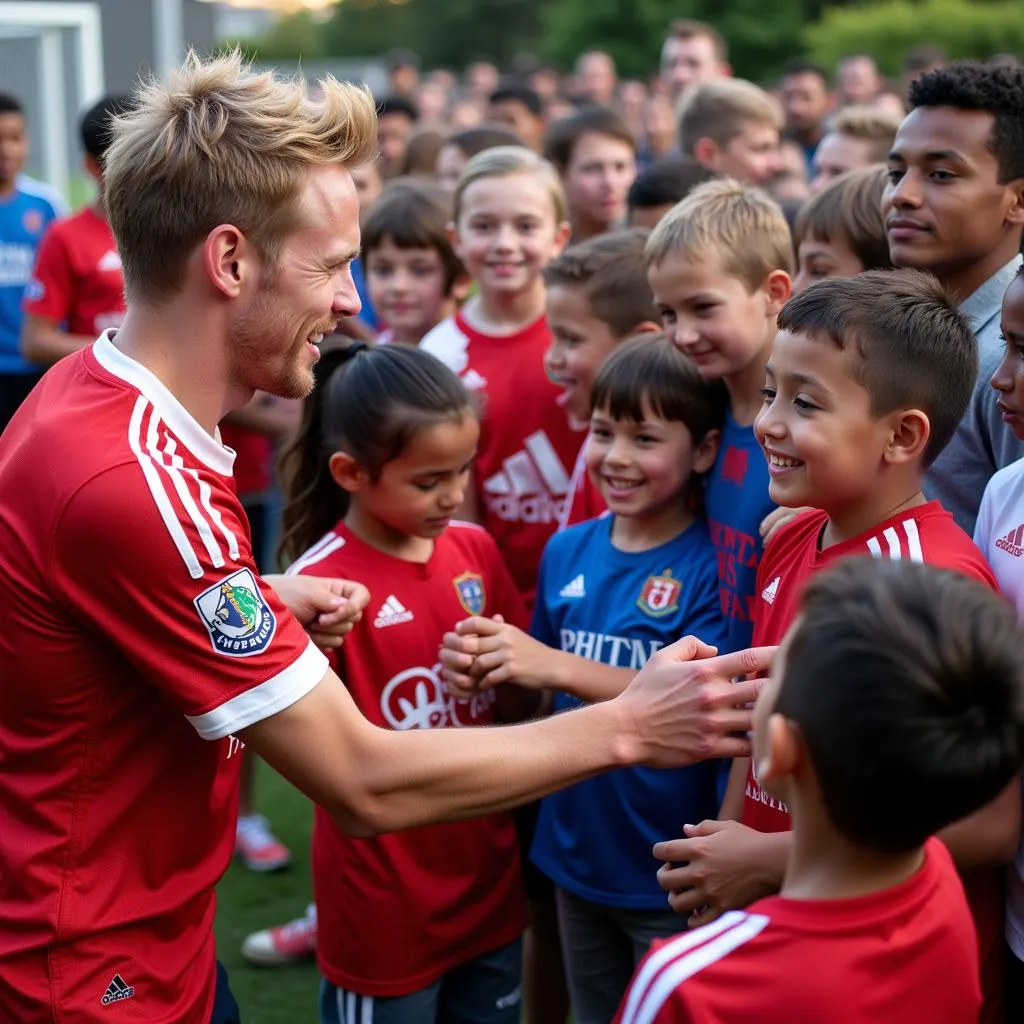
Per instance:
x=225, y=1009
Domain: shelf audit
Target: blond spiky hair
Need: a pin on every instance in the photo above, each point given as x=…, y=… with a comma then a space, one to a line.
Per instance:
x=220, y=143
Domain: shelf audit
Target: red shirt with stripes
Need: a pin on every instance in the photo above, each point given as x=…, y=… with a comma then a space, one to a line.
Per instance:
x=585, y=501
x=903, y=954
x=138, y=638
x=441, y=895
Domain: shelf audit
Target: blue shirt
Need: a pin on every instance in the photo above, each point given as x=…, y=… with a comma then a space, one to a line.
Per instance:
x=736, y=500
x=616, y=607
x=24, y=217
x=367, y=314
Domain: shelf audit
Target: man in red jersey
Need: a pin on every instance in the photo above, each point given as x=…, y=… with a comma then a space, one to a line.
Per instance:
x=142, y=650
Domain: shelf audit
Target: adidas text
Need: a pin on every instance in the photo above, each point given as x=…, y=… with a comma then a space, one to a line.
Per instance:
x=117, y=991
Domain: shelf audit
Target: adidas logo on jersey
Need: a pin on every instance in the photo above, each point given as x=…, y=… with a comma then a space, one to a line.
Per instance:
x=392, y=613
x=531, y=486
x=117, y=991
x=574, y=588
x=473, y=380
x=1012, y=542
x=769, y=592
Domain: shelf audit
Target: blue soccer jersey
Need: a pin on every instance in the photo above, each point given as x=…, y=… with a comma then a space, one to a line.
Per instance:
x=616, y=607
x=736, y=500
x=24, y=216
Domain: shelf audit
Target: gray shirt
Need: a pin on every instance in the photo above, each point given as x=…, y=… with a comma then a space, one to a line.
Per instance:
x=982, y=443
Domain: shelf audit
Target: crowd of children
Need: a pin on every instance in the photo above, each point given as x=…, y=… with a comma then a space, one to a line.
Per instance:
x=572, y=442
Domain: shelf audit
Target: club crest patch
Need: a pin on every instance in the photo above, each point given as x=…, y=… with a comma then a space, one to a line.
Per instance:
x=470, y=590
x=236, y=616
x=660, y=595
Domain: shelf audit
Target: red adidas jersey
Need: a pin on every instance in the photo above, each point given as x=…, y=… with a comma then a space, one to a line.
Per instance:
x=585, y=500
x=137, y=639
x=441, y=895
x=901, y=955
x=77, y=279
x=527, y=447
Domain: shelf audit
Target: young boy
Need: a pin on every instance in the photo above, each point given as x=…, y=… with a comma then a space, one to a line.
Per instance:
x=597, y=297
x=414, y=277
x=719, y=265
x=867, y=380
x=595, y=154
x=664, y=183
x=955, y=207
x=923, y=670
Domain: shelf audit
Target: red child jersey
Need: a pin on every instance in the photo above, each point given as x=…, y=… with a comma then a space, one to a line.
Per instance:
x=585, y=500
x=902, y=955
x=138, y=638
x=77, y=280
x=526, y=443
x=441, y=895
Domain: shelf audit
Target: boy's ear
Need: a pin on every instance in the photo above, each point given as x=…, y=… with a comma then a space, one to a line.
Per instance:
x=451, y=229
x=562, y=235
x=706, y=451
x=93, y=168
x=778, y=287
x=911, y=431
x=1015, y=214
x=460, y=289
x=706, y=151
x=347, y=473
x=782, y=757
x=644, y=327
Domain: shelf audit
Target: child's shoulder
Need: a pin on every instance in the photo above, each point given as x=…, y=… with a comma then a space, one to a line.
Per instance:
x=1007, y=485
x=449, y=343
x=468, y=536
x=329, y=552
x=592, y=534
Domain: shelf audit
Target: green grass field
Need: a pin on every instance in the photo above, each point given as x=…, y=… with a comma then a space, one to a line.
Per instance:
x=248, y=901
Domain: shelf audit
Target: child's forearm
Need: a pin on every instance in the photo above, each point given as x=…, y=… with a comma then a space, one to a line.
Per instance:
x=732, y=802
x=588, y=680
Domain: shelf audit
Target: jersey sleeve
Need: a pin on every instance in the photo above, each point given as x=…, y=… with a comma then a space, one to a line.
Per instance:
x=648, y=1001
x=166, y=574
x=50, y=293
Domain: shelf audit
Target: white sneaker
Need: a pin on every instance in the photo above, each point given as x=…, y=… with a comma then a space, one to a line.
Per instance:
x=284, y=944
x=257, y=847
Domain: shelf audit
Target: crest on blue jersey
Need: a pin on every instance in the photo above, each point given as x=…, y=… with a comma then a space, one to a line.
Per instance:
x=660, y=595
x=470, y=589
x=236, y=616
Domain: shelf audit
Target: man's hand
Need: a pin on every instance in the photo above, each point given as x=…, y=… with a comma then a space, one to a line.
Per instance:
x=481, y=652
x=722, y=865
x=328, y=608
x=685, y=710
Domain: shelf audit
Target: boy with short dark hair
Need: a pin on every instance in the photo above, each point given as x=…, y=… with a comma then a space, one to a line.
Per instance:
x=396, y=117
x=922, y=668
x=955, y=206
x=520, y=109
x=867, y=381
x=667, y=181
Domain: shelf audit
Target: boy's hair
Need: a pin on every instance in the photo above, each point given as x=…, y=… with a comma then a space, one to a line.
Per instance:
x=997, y=89
x=806, y=67
x=720, y=110
x=564, y=134
x=471, y=141
x=609, y=271
x=219, y=143
x=10, y=104
x=684, y=29
x=909, y=345
x=422, y=150
x=668, y=180
x=369, y=403
x=649, y=369
x=387, y=105
x=849, y=210
x=512, y=92
x=97, y=126
x=414, y=214
x=924, y=57
x=739, y=225
x=922, y=668
x=868, y=124
x=500, y=162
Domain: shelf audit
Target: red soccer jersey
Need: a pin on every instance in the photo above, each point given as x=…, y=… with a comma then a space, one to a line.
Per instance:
x=77, y=279
x=900, y=955
x=585, y=500
x=138, y=638
x=927, y=533
x=441, y=895
x=526, y=444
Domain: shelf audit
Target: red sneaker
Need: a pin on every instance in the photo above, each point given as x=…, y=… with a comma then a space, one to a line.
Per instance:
x=257, y=847
x=283, y=944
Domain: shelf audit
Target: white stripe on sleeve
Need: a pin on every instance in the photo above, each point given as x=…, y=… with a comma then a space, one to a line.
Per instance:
x=913, y=540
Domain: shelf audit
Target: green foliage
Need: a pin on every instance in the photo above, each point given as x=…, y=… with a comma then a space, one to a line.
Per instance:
x=890, y=28
x=298, y=35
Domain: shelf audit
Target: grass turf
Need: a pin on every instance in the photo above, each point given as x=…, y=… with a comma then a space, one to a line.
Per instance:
x=248, y=901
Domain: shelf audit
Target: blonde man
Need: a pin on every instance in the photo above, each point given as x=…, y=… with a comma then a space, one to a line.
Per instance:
x=857, y=138
x=732, y=127
x=142, y=649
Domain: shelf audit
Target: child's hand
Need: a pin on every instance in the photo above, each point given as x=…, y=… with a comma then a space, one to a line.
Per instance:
x=328, y=608
x=776, y=519
x=484, y=652
x=719, y=866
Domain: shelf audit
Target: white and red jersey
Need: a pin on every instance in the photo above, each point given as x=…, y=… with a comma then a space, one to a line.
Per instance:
x=527, y=447
x=585, y=500
x=396, y=912
x=138, y=638
x=927, y=534
x=903, y=954
x=78, y=280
